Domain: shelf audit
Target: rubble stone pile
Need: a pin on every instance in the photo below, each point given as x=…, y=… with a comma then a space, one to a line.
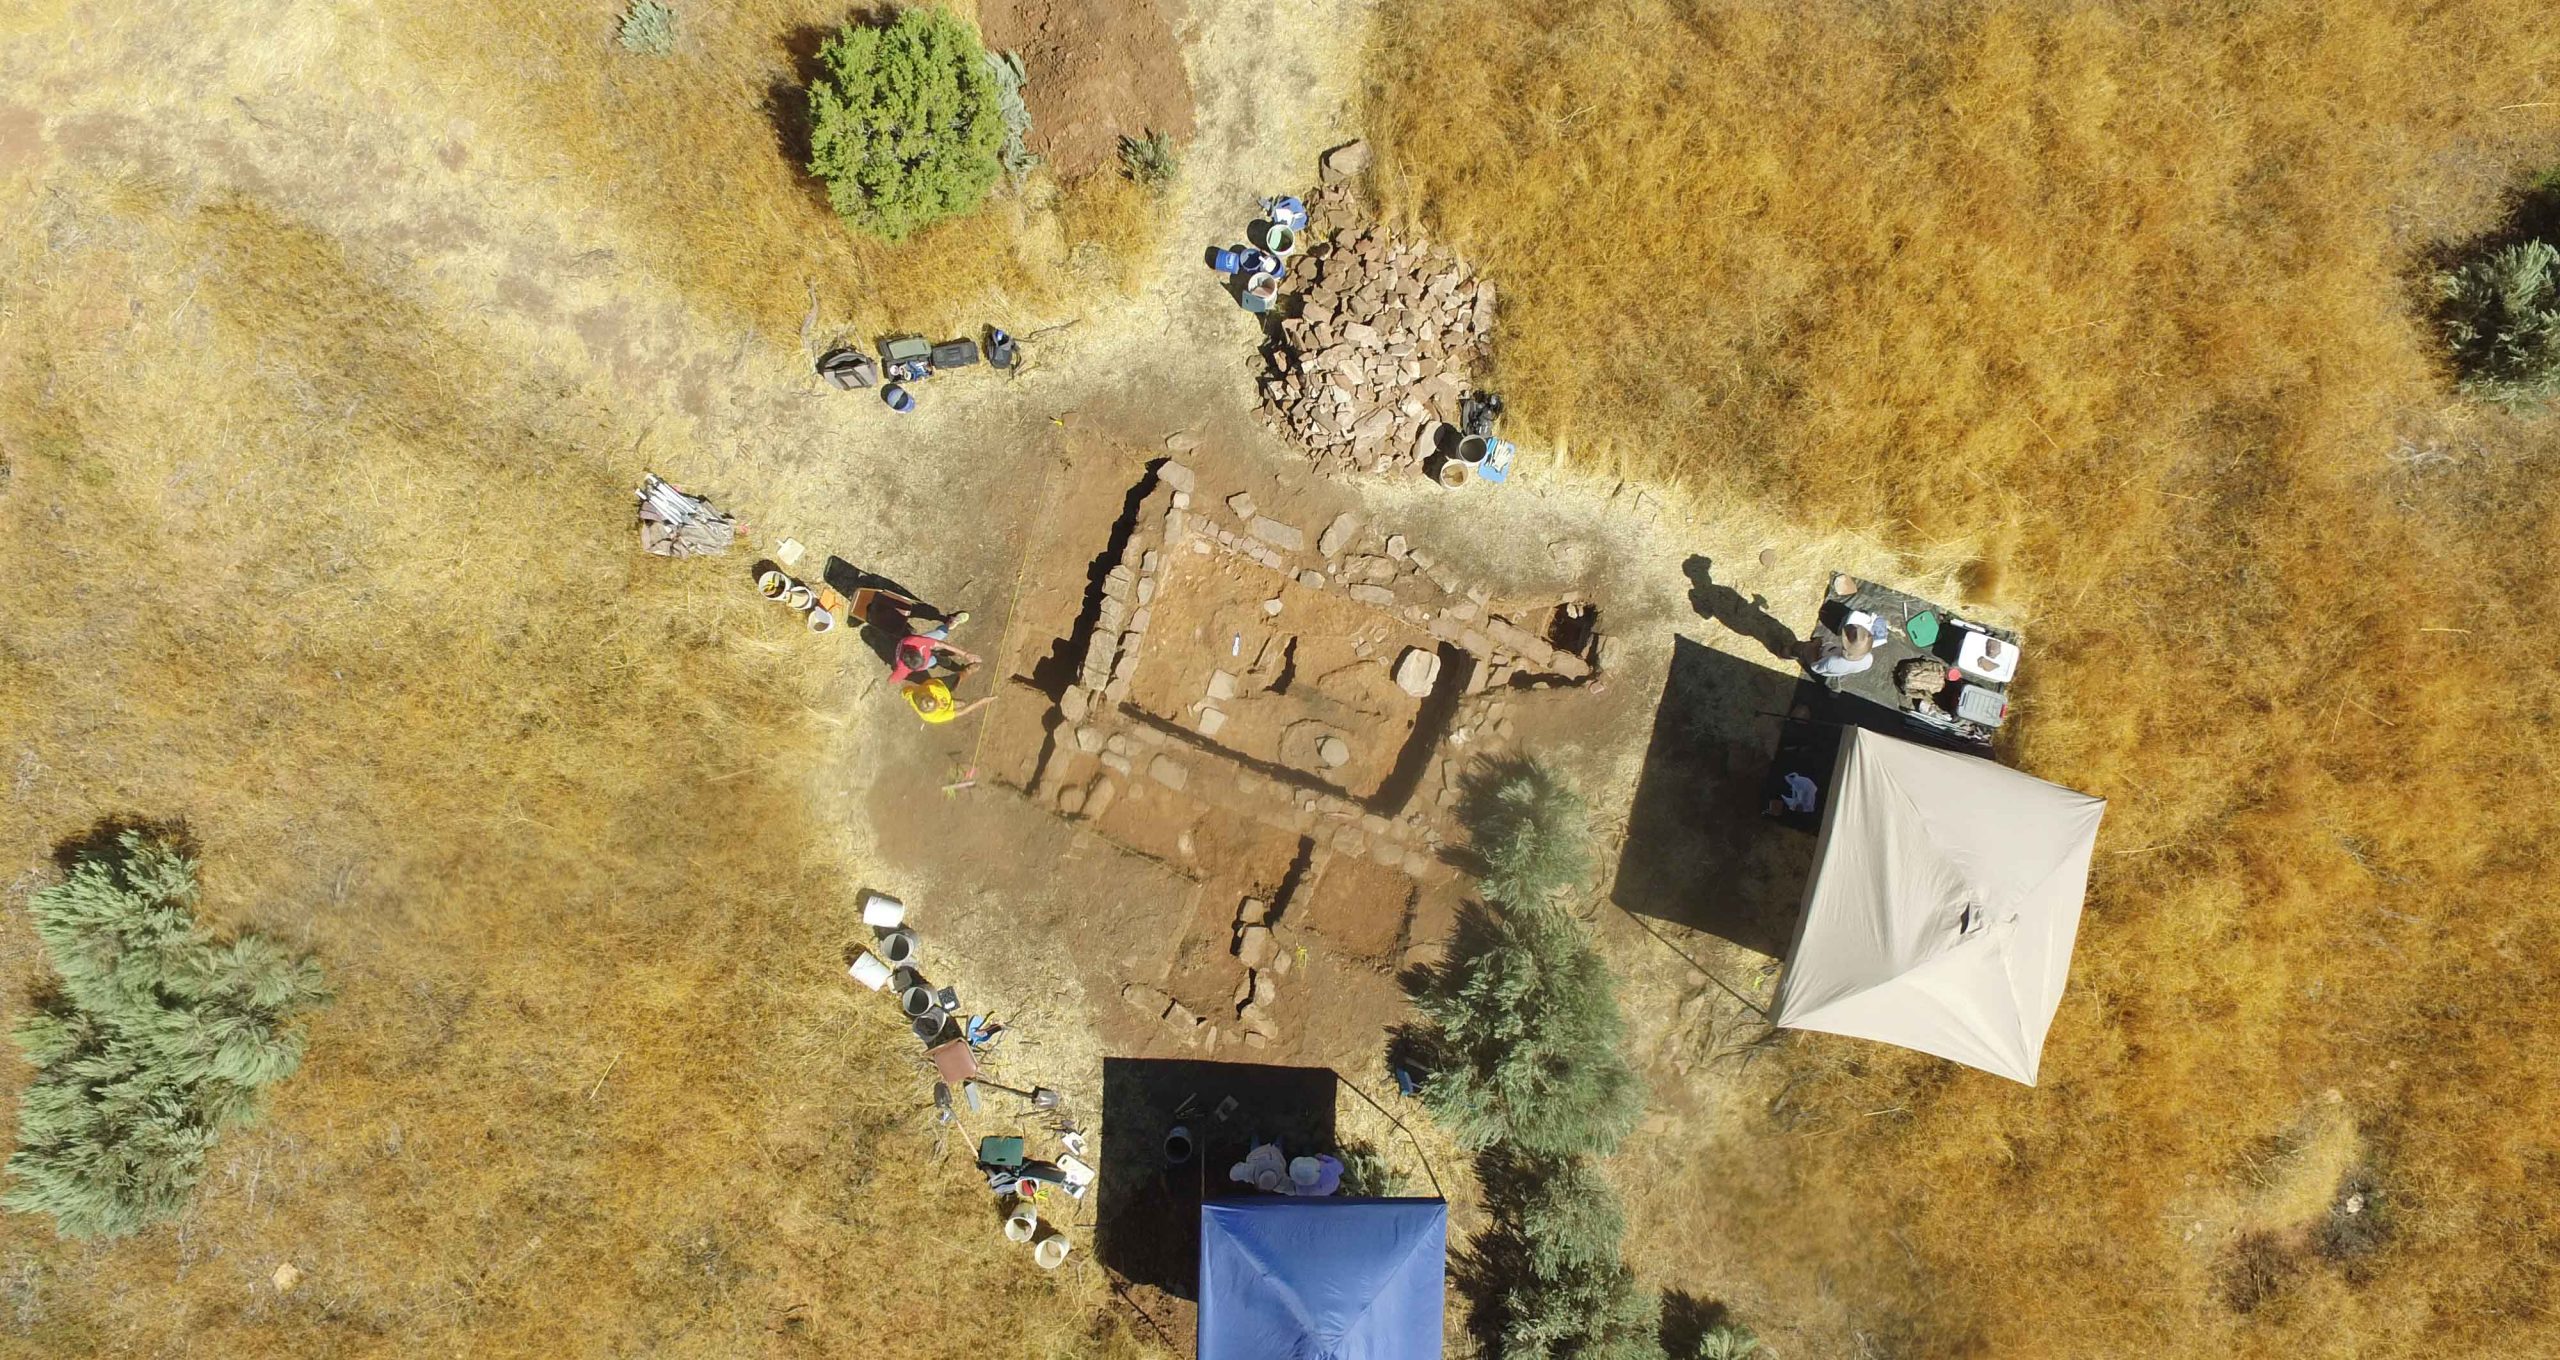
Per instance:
x=1384, y=338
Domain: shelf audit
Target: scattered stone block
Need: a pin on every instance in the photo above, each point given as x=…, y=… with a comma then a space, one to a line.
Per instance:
x=1286, y=537
x=1098, y=797
x=1396, y=547
x=1271, y=607
x=1369, y=594
x=1333, y=752
x=1222, y=685
x=1148, y=999
x=1171, y=773
x=1174, y=474
x=1416, y=671
x=1212, y=721
x=1179, y=1016
x=1253, y=912
x=1255, y=946
x=1345, y=161
x=1115, y=762
x=1089, y=739
x=1242, y=504
x=1337, y=534
x=1312, y=580
x=1073, y=704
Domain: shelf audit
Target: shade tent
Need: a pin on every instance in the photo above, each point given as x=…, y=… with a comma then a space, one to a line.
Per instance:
x=1944, y=901
x=1322, y=1278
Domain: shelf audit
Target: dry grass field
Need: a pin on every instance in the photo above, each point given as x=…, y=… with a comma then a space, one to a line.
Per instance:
x=2126, y=301
x=697, y=154
x=317, y=549
x=541, y=809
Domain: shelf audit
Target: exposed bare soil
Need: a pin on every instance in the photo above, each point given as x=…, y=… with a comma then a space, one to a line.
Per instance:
x=1096, y=73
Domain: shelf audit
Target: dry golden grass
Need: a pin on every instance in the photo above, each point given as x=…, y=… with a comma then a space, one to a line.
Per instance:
x=374, y=628
x=2123, y=297
x=697, y=156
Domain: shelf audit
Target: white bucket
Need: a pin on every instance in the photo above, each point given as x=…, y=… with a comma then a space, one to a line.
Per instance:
x=899, y=947
x=883, y=911
x=1279, y=240
x=773, y=585
x=1022, y=1224
x=868, y=970
x=820, y=621
x=1051, y=1253
x=801, y=597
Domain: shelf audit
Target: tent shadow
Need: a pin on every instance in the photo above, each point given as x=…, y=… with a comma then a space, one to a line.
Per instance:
x=1148, y=1228
x=1699, y=852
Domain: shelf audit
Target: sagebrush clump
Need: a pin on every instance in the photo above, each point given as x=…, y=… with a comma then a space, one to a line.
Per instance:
x=1016, y=157
x=1150, y=161
x=159, y=1039
x=905, y=123
x=1525, y=1064
x=649, y=28
x=2502, y=316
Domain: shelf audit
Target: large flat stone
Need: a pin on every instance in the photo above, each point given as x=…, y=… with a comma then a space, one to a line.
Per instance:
x=1286, y=537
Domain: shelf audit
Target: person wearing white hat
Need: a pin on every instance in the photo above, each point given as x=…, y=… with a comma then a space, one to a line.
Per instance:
x=1830, y=655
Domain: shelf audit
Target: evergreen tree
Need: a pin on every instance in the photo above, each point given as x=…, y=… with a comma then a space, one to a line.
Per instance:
x=906, y=122
x=157, y=1039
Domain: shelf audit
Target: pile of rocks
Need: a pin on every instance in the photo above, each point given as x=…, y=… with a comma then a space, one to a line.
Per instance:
x=1381, y=340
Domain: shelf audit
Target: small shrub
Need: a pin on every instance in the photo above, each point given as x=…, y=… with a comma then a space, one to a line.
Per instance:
x=1724, y=1341
x=2502, y=315
x=1366, y=1172
x=159, y=1038
x=905, y=128
x=649, y=28
x=1015, y=156
x=1150, y=161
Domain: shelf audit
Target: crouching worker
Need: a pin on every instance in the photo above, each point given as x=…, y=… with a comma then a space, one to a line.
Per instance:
x=1828, y=655
x=932, y=701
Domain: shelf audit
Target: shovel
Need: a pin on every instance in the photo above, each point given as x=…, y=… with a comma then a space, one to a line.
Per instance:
x=1041, y=1097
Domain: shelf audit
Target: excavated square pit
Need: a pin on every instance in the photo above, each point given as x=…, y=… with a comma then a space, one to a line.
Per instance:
x=1309, y=689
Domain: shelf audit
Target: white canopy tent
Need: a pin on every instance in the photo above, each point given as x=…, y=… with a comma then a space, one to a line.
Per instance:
x=1944, y=901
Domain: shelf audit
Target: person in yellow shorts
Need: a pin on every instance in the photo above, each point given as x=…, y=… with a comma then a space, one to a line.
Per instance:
x=932, y=701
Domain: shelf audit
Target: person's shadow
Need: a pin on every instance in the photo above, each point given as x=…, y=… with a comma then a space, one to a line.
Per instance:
x=1748, y=616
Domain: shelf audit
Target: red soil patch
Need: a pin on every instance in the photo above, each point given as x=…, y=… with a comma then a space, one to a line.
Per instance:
x=1098, y=70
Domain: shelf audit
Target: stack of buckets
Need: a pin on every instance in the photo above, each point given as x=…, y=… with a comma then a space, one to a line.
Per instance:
x=775, y=586
x=1049, y=1247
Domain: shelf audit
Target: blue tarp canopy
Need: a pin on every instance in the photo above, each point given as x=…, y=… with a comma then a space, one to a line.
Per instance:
x=1303, y=1278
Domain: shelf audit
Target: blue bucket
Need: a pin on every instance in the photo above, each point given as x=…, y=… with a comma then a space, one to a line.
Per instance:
x=1226, y=261
x=900, y=399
